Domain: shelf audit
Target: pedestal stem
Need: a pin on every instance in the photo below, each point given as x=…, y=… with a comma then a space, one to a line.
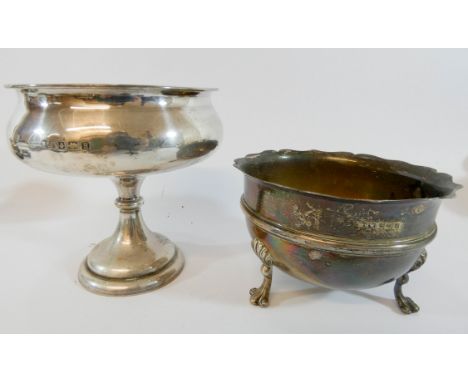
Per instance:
x=133, y=259
x=128, y=188
x=131, y=226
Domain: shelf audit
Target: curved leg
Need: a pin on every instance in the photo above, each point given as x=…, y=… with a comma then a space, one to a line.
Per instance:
x=406, y=304
x=260, y=296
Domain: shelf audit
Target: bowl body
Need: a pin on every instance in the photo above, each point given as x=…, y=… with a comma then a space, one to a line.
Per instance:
x=112, y=129
x=341, y=220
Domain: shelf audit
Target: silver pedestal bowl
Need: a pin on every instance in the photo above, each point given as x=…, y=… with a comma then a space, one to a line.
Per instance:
x=123, y=132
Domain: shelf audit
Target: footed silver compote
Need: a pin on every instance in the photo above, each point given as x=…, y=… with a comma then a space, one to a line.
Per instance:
x=123, y=132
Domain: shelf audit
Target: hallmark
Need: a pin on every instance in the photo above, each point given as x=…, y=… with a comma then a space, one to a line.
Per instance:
x=64, y=146
x=392, y=227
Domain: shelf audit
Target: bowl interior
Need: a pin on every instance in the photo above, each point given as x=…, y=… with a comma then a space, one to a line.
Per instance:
x=346, y=176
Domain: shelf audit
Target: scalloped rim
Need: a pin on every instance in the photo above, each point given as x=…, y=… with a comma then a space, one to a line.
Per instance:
x=426, y=174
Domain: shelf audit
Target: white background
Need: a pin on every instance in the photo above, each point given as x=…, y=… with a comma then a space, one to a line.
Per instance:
x=400, y=104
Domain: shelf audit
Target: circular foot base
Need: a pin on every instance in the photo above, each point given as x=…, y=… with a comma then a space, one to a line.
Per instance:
x=121, y=286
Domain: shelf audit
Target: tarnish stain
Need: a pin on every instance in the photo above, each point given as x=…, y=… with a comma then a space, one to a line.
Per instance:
x=315, y=255
x=418, y=209
x=309, y=218
x=367, y=220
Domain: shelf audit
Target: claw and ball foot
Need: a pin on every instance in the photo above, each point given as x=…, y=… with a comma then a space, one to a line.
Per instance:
x=406, y=304
x=260, y=296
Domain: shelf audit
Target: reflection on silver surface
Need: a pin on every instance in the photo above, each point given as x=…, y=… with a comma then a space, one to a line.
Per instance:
x=125, y=132
x=113, y=131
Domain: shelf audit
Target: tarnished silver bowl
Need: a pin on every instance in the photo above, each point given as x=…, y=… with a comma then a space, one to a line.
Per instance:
x=340, y=220
x=123, y=132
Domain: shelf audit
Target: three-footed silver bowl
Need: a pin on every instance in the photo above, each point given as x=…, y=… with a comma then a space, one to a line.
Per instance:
x=340, y=220
x=123, y=132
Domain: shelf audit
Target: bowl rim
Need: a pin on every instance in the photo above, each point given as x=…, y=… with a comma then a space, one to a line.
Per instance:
x=105, y=86
x=427, y=174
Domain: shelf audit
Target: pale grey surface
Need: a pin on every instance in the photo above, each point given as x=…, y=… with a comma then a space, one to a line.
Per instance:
x=402, y=104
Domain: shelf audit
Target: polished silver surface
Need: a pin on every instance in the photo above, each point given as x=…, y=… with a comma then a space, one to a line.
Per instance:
x=123, y=132
x=113, y=130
